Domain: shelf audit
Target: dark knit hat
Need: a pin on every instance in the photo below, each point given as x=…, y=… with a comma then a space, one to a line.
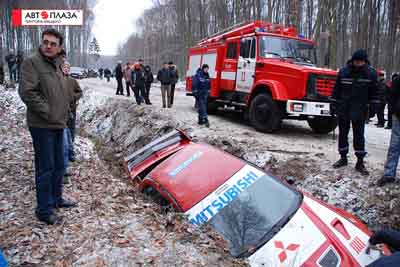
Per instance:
x=360, y=54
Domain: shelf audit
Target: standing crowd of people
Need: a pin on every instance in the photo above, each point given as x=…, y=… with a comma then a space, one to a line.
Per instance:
x=139, y=77
x=14, y=62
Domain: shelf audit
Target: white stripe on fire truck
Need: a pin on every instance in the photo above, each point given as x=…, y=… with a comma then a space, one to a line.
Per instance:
x=228, y=75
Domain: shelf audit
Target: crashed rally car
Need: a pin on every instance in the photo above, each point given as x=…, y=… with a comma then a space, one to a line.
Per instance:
x=261, y=217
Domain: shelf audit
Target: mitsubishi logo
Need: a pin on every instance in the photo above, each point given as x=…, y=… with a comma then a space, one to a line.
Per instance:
x=283, y=250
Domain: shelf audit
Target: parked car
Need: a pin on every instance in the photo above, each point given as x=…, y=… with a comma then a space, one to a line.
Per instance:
x=77, y=73
x=92, y=73
x=261, y=217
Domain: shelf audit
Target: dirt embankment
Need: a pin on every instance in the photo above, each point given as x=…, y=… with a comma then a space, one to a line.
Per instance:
x=114, y=225
x=294, y=154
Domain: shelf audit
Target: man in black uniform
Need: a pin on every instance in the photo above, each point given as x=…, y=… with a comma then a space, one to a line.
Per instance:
x=119, y=75
x=355, y=92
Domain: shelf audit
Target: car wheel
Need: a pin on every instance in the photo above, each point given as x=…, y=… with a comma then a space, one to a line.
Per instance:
x=323, y=125
x=265, y=114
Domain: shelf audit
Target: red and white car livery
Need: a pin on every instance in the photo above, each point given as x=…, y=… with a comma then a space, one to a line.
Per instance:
x=261, y=217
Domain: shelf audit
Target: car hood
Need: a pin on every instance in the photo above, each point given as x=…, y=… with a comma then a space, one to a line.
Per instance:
x=312, y=238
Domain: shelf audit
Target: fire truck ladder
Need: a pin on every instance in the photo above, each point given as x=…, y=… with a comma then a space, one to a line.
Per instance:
x=240, y=24
x=248, y=27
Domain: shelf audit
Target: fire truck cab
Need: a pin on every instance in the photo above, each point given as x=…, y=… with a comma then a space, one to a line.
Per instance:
x=267, y=71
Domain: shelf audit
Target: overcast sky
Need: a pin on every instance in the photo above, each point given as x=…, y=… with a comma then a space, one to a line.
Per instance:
x=115, y=21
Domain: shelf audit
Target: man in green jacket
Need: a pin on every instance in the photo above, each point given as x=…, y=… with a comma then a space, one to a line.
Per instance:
x=43, y=90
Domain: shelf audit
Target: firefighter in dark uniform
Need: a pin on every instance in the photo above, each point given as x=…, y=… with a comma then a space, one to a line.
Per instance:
x=354, y=96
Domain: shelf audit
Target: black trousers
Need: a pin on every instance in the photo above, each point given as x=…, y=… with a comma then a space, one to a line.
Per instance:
x=390, y=114
x=120, y=88
x=128, y=91
x=381, y=114
x=147, y=92
x=172, y=93
x=140, y=94
x=358, y=137
x=1, y=74
x=71, y=123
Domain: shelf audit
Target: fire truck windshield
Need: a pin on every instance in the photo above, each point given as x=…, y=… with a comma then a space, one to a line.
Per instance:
x=302, y=52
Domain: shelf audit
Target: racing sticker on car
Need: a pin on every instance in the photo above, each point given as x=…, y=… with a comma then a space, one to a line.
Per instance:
x=358, y=245
x=284, y=249
x=185, y=164
x=203, y=211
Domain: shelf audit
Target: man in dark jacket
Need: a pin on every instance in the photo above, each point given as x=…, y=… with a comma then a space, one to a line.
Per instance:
x=75, y=93
x=11, y=60
x=119, y=75
x=164, y=76
x=390, y=238
x=355, y=90
x=148, y=80
x=101, y=73
x=138, y=83
x=44, y=92
x=392, y=160
x=20, y=59
x=174, y=80
x=107, y=74
x=201, y=90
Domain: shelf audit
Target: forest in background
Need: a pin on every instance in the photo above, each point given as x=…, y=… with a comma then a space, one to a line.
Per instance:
x=27, y=39
x=170, y=27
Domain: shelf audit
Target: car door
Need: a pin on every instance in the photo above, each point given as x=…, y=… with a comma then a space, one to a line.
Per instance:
x=246, y=65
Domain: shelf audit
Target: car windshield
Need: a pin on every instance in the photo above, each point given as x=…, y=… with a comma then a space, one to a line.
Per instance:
x=276, y=47
x=254, y=217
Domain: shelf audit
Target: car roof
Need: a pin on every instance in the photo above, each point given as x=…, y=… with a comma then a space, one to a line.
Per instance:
x=194, y=172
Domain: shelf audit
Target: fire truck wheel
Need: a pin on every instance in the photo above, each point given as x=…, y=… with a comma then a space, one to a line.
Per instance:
x=265, y=114
x=212, y=107
x=323, y=125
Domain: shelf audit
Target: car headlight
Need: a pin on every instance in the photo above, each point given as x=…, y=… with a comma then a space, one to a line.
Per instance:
x=329, y=259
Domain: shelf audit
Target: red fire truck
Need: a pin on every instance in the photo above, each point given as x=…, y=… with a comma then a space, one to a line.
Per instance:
x=267, y=71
